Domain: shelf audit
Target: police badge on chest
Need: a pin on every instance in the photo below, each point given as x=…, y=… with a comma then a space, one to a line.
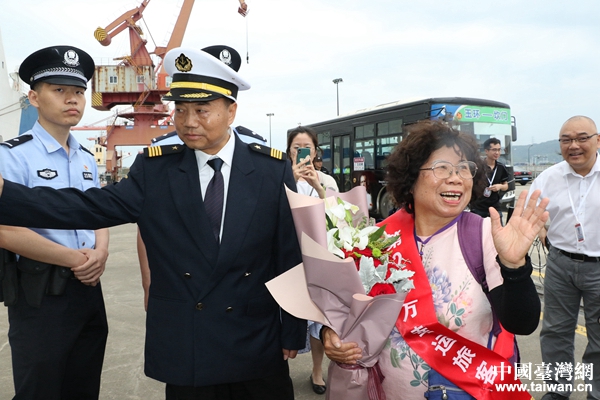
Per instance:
x=47, y=173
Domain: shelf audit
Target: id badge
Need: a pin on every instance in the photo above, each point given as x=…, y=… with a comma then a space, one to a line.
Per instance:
x=487, y=192
x=579, y=232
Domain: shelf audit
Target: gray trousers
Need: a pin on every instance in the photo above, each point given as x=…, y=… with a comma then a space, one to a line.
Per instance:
x=567, y=282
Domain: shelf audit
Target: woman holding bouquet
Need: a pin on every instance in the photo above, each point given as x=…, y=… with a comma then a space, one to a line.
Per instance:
x=310, y=182
x=446, y=333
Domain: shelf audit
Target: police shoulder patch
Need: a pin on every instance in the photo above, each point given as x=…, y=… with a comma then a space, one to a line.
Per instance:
x=86, y=150
x=278, y=154
x=163, y=137
x=14, y=142
x=157, y=151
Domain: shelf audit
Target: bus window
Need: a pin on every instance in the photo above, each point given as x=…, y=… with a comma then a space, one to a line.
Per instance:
x=365, y=149
x=384, y=149
x=341, y=162
x=383, y=128
x=325, y=146
x=393, y=127
x=364, y=131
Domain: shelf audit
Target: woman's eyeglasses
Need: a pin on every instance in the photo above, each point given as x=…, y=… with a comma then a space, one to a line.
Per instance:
x=444, y=169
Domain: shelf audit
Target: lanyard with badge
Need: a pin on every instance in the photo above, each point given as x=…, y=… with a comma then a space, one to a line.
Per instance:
x=487, y=192
x=578, y=227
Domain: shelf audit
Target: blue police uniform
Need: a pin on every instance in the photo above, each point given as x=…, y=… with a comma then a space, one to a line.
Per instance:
x=37, y=159
x=58, y=327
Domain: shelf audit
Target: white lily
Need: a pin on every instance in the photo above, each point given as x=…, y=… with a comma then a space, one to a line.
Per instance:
x=362, y=238
x=331, y=243
x=347, y=235
x=338, y=211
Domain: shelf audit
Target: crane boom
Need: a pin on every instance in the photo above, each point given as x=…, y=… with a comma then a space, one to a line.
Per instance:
x=128, y=19
x=179, y=29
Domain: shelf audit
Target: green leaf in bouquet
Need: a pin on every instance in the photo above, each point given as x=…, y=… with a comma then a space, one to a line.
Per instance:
x=330, y=224
x=374, y=237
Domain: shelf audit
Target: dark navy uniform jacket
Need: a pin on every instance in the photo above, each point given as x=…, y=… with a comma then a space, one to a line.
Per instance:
x=210, y=317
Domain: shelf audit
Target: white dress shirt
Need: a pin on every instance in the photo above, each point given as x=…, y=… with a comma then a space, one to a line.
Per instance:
x=579, y=204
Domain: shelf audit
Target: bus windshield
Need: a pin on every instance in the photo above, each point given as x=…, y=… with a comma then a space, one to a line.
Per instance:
x=483, y=122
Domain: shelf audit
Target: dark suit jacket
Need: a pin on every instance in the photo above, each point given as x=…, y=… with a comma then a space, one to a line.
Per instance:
x=210, y=317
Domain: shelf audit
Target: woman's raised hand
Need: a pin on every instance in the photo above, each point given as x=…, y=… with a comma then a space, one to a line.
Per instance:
x=513, y=240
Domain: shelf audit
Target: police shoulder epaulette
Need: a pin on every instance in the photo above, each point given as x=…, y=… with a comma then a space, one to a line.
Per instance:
x=86, y=150
x=278, y=154
x=14, y=142
x=163, y=137
x=157, y=151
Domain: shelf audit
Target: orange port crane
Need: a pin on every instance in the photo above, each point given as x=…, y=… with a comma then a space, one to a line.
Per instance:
x=134, y=82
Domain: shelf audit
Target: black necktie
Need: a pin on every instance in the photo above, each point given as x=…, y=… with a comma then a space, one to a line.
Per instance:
x=213, y=199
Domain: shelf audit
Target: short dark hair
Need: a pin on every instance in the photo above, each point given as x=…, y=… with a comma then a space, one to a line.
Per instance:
x=295, y=132
x=412, y=153
x=491, y=141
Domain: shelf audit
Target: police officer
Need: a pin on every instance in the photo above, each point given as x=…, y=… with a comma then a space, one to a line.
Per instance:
x=58, y=327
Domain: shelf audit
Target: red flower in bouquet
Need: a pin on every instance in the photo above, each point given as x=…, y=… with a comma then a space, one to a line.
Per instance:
x=381, y=288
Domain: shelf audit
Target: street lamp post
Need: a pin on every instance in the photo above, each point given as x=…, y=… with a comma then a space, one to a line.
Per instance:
x=270, y=115
x=529, y=159
x=337, y=81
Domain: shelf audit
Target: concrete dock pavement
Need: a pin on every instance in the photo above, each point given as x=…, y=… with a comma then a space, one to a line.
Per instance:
x=123, y=375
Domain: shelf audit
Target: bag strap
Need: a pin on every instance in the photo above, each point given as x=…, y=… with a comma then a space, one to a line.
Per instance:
x=470, y=230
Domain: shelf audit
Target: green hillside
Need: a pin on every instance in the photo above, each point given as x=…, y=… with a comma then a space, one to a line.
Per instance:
x=540, y=153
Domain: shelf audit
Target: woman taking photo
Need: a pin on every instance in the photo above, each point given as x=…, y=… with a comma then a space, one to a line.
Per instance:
x=309, y=181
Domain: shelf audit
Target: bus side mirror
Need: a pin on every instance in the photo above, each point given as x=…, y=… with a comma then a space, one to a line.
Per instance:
x=513, y=128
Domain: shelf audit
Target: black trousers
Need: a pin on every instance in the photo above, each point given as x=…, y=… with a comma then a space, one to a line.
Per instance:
x=275, y=387
x=58, y=349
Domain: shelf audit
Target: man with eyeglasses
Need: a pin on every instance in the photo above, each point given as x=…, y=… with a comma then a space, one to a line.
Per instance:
x=573, y=262
x=496, y=176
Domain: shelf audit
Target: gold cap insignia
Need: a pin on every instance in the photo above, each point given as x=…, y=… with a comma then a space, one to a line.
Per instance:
x=183, y=63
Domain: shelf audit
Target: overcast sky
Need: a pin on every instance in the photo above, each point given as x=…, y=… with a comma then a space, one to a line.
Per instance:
x=540, y=57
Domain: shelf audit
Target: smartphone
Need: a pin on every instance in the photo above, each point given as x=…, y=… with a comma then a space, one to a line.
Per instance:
x=302, y=153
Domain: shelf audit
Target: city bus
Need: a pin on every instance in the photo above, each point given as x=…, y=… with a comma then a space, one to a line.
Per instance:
x=355, y=147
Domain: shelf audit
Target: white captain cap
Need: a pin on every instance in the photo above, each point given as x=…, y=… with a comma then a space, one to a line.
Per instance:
x=199, y=75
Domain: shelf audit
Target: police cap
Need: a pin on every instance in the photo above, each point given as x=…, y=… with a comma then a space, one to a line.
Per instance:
x=60, y=65
x=248, y=135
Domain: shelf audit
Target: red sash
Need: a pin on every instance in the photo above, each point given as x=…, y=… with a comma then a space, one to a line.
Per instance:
x=472, y=367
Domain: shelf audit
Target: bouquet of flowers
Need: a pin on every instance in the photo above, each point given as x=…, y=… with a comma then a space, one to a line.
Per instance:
x=348, y=280
x=369, y=246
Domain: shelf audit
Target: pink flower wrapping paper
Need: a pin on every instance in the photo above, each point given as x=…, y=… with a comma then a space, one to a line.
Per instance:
x=332, y=293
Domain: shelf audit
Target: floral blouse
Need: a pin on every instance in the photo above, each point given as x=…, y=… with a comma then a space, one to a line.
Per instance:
x=460, y=305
